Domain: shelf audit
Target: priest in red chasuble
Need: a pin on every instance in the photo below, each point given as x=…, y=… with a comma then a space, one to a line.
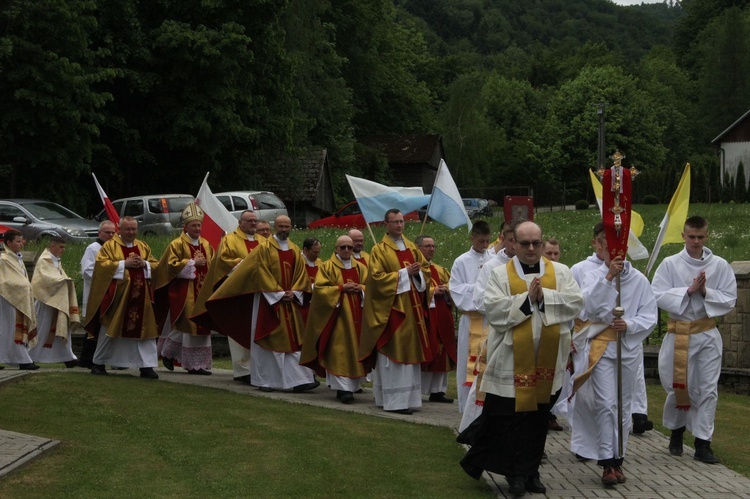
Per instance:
x=178, y=279
x=440, y=327
x=394, y=326
x=331, y=341
x=120, y=308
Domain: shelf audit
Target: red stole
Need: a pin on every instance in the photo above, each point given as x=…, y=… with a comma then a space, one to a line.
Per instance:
x=270, y=316
x=250, y=245
x=440, y=331
x=361, y=260
x=136, y=299
x=179, y=288
x=354, y=300
x=396, y=318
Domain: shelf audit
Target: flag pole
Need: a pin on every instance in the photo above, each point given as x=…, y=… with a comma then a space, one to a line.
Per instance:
x=429, y=203
x=374, y=241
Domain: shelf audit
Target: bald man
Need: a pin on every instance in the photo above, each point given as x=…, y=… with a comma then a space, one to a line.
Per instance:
x=359, y=253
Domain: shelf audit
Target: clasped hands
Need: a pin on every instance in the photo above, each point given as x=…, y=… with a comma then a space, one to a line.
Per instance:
x=134, y=261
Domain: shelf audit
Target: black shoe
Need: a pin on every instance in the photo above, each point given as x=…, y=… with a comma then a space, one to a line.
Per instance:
x=675, y=441
x=344, y=396
x=641, y=424
x=553, y=425
x=148, y=373
x=582, y=459
x=243, y=379
x=71, y=363
x=440, y=397
x=28, y=367
x=704, y=453
x=516, y=485
x=359, y=391
x=118, y=368
x=99, y=369
x=401, y=411
x=266, y=389
x=535, y=486
x=306, y=386
x=201, y=372
x=168, y=363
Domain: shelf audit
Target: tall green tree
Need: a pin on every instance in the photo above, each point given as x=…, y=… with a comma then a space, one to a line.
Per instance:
x=51, y=109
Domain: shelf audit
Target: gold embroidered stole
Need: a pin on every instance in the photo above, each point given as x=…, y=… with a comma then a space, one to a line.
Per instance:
x=477, y=338
x=682, y=331
x=596, y=350
x=533, y=375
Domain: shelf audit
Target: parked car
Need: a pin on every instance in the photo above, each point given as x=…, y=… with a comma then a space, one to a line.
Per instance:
x=38, y=219
x=3, y=230
x=350, y=216
x=157, y=214
x=266, y=205
x=477, y=207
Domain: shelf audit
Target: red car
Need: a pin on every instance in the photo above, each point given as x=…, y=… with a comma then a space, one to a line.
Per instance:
x=350, y=217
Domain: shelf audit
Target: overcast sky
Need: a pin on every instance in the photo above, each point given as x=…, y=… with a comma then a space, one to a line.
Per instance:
x=635, y=2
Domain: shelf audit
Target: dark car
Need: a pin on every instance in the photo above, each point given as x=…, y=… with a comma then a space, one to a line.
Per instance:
x=350, y=217
x=38, y=219
x=477, y=207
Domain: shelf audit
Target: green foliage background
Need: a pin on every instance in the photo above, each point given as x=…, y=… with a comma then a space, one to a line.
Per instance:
x=150, y=95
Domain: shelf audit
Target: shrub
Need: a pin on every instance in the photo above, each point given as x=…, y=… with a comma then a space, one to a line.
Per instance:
x=582, y=204
x=650, y=199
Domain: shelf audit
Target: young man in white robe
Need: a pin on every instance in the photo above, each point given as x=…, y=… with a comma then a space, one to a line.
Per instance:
x=464, y=274
x=106, y=232
x=56, y=307
x=594, y=422
x=694, y=286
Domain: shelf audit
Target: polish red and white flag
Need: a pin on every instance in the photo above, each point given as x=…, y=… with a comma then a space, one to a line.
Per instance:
x=217, y=220
x=112, y=214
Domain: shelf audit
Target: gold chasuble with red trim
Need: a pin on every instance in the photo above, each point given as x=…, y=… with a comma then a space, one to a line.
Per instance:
x=533, y=371
x=441, y=331
x=232, y=250
x=311, y=273
x=334, y=324
x=125, y=306
x=177, y=296
x=394, y=324
x=280, y=326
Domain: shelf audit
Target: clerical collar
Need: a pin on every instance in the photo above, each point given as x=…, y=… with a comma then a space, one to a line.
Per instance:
x=396, y=240
x=194, y=242
x=310, y=263
x=530, y=269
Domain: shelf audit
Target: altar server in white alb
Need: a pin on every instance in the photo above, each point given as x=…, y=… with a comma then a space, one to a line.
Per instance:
x=594, y=422
x=463, y=279
x=56, y=307
x=694, y=286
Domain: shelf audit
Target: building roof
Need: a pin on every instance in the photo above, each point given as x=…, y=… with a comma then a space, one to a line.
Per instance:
x=731, y=127
x=296, y=178
x=404, y=149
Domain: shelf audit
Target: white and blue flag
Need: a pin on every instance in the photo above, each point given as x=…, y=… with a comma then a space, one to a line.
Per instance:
x=446, y=205
x=375, y=199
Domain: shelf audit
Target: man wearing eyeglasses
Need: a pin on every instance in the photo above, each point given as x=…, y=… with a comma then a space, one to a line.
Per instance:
x=528, y=303
x=442, y=334
x=359, y=253
x=106, y=232
x=394, y=328
x=331, y=339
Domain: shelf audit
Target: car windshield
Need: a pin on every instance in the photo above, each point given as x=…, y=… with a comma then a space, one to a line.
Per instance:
x=49, y=211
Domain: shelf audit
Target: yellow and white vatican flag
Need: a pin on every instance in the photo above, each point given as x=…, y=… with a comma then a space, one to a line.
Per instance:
x=636, y=249
x=672, y=224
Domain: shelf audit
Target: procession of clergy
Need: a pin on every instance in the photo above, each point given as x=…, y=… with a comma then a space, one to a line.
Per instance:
x=534, y=339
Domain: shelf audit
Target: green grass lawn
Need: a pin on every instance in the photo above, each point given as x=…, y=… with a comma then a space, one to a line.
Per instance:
x=127, y=437
x=730, y=431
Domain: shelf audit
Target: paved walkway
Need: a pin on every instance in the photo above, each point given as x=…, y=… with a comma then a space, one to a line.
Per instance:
x=651, y=471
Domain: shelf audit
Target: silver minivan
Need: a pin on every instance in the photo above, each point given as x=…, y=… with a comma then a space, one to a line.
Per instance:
x=157, y=214
x=266, y=205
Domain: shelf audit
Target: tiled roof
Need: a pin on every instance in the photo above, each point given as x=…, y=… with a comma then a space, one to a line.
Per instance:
x=295, y=178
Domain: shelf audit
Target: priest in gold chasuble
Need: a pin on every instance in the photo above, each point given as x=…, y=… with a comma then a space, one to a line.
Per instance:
x=120, y=308
x=331, y=342
x=232, y=250
x=529, y=303
x=394, y=328
x=178, y=280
